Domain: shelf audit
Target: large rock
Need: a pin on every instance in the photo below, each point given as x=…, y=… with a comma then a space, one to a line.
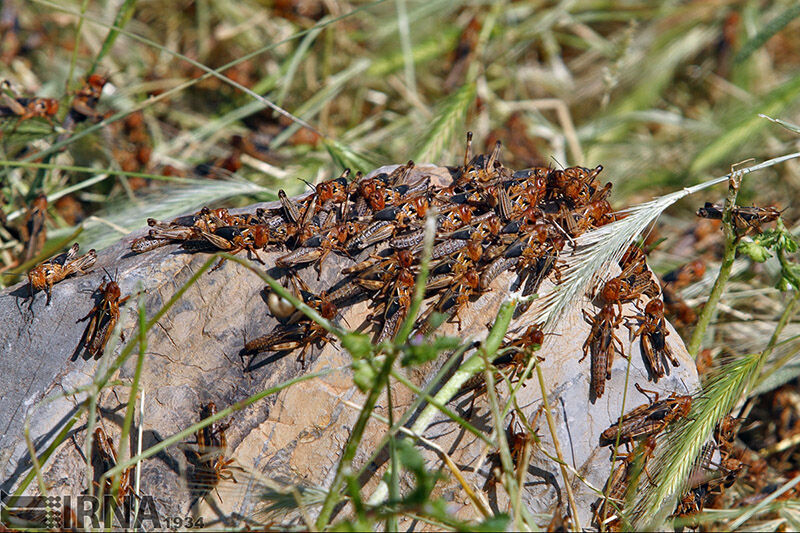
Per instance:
x=295, y=436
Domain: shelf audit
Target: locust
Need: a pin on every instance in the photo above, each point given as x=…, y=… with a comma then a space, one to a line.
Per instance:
x=298, y=332
x=104, y=316
x=519, y=444
x=50, y=272
x=187, y=228
x=210, y=463
x=648, y=419
x=234, y=239
x=489, y=219
x=634, y=282
x=745, y=219
x=85, y=101
x=619, y=482
x=108, y=459
x=317, y=248
x=602, y=343
x=33, y=231
x=26, y=108
x=653, y=334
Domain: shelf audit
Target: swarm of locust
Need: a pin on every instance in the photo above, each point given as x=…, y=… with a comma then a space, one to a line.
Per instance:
x=489, y=220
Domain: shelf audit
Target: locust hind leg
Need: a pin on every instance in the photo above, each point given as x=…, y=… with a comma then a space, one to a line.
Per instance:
x=650, y=479
x=222, y=260
x=49, y=290
x=219, y=264
x=31, y=296
x=671, y=356
x=645, y=391
x=621, y=346
x=252, y=254
x=320, y=261
x=94, y=310
x=585, y=350
x=302, y=357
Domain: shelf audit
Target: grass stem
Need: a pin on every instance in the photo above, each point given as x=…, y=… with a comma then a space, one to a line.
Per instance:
x=728, y=256
x=469, y=368
x=507, y=462
x=553, y=433
x=344, y=469
x=123, y=451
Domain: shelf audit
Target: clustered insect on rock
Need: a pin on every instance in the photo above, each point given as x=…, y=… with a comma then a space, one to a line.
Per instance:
x=489, y=220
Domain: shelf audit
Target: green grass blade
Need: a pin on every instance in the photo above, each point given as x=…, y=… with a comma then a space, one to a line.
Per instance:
x=124, y=15
x=748, y=126
x=425, y=395
x=297, y=57
x=346, y=157
x=191, y=430
x=74, y=58
x=446, y=123
x=470, y=367
x=425, y=51
x=771, y=28
x=344, y=468
x=123, y=452
x=314, y=105
x=422, y=278
x=788, y=125
x=405, y=44
x=662, y=62
x=45, y=455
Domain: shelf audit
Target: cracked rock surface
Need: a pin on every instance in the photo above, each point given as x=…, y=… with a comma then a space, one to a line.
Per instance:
x=296, y=435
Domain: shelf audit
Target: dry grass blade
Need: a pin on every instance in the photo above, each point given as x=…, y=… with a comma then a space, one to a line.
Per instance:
x=788, y=125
